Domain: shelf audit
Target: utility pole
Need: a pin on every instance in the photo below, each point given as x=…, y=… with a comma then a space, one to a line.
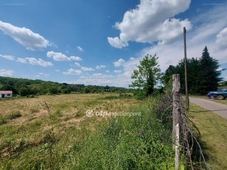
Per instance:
x=185, y=70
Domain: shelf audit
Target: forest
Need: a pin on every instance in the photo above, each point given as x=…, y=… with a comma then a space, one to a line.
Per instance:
x=25, y=87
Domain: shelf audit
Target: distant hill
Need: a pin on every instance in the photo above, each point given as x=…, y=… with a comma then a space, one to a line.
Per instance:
x=24, y=87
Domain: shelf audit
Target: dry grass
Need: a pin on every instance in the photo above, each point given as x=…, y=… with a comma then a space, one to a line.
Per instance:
x=35, y=118
x=213, y=129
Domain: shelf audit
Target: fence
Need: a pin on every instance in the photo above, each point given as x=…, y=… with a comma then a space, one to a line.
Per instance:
x=185, y=133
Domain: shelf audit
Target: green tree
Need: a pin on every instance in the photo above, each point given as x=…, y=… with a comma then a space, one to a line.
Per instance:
x=86, y=90
x=53, y=90
x=8, y=87
x=208, y=75
x=24, y=91
x=147, y=75
x=202, y=74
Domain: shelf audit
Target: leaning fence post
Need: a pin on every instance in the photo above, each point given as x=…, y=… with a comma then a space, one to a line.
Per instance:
x=176, y=116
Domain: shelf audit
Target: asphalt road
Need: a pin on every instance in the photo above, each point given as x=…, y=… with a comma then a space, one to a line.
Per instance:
x=217, y=108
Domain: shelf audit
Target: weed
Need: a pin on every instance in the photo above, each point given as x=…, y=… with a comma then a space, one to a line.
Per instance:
x=33, y=110
x=13, y=115
x=2, y=120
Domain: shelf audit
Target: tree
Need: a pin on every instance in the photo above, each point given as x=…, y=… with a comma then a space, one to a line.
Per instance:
x=107, y=88
x=86, y=90
x=146, y=75
x=8, y=87
x=202, y=74
x=53, y=90
x=209, y=76
x=24, y=91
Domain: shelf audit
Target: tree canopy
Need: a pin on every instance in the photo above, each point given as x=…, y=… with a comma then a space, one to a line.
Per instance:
x=147, y=74
x=203, y=74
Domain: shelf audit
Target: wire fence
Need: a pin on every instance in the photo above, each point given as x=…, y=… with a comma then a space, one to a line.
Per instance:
x=186, y=136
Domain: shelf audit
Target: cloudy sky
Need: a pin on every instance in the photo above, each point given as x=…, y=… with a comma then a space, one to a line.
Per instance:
x=100, y=41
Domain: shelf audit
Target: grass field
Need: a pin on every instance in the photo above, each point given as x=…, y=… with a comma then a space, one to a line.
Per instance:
x=213, y=130
x=53, y=132
x=28, y=125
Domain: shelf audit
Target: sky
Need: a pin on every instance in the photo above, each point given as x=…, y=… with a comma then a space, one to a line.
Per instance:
x=100, y=42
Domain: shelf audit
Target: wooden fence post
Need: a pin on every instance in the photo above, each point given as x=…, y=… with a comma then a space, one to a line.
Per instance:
x=176, y=117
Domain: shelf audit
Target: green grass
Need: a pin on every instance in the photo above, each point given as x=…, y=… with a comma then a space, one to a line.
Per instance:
x=213, y=129
x=53, y=132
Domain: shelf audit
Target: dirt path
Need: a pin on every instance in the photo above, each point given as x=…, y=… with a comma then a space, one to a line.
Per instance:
x=217, y=108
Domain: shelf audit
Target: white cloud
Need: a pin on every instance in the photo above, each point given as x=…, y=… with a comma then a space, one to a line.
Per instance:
x=24, y=36
x=34, y=61
x=80, y=48
x=57, y=70
x=117, y=71
x=97, y=74
x=221, y=69
x=8, y=57
x=77, y=64
x=22, y=60
x=84, y=68
x=72, y=71
x=152, y=21
x=87, y=69
x=107, y=71
x=57, y=56
x=42, y=75
x=6, y=73
x=100, y=66
x=119, y=62
x=103, y=79
x=75, y=58
x=116, y=42
x=221, y=39
x=132, y=58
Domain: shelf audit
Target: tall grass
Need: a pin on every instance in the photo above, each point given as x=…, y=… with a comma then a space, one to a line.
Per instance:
x=134, y=142
x=133, y=138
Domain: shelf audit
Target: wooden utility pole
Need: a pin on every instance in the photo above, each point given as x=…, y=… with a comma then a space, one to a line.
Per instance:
x=176, y=117
x=185, y=70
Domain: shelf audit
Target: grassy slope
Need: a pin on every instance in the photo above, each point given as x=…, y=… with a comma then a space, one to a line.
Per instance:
x=214, y=137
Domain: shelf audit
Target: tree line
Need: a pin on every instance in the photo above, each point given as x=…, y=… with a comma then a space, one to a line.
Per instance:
x=202, y=74
x=25, y=87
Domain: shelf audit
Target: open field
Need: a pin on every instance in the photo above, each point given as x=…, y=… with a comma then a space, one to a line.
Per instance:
x=53, y=132
x=29, y=127
x=213, y=130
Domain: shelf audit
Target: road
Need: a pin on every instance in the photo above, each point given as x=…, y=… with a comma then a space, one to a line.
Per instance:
x=217, y=108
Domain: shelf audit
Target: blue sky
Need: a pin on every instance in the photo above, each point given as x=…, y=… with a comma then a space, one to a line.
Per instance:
x=99, y=42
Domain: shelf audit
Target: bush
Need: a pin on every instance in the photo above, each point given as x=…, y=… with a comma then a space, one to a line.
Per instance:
x=140, y=94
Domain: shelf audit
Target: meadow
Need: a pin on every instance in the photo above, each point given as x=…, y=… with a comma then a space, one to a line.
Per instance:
x=54, y=132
